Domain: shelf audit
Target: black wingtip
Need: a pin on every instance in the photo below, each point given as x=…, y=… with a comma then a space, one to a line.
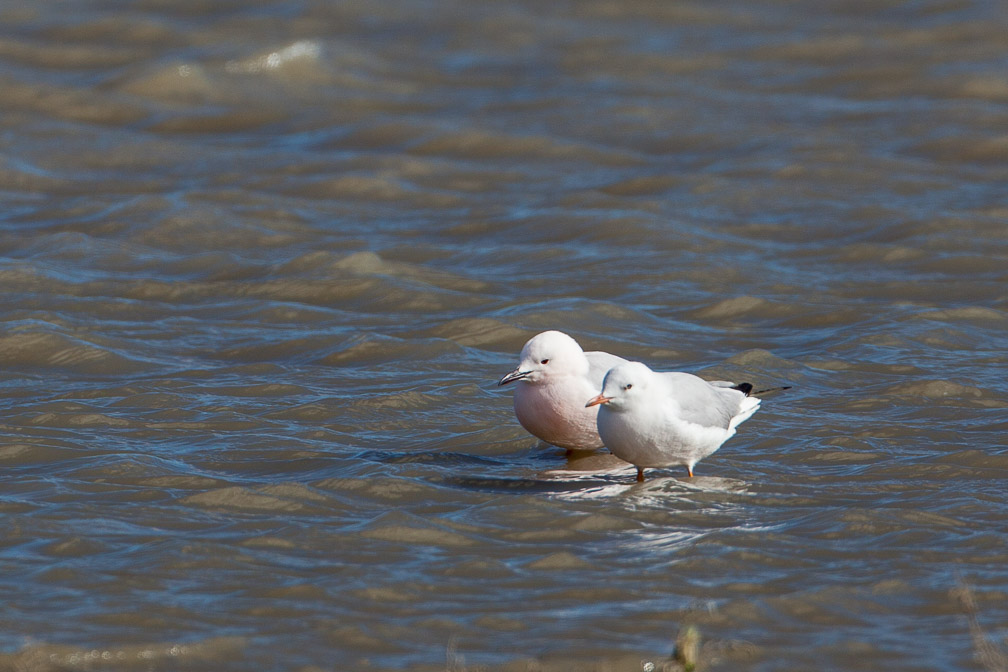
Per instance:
x=773, y=389
x=744, y=388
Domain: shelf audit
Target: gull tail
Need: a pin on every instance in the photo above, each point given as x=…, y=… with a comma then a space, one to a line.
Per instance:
x=748, y=406
x=746, y=389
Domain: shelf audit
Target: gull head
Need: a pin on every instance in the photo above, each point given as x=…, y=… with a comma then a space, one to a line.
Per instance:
x=622, y=385
x=546, y=355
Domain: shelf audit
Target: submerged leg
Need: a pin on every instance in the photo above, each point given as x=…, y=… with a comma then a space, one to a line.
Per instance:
x=640, y=474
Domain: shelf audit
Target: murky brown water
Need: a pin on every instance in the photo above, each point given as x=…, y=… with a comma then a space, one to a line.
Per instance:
x=263, y=264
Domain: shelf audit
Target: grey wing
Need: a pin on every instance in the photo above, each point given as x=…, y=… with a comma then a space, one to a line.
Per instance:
x=700, y=402
x=599, y=364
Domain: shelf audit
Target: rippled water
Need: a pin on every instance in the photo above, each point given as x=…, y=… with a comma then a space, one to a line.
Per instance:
x=263, y=264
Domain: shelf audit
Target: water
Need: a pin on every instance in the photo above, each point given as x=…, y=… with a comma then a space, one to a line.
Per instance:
x=263, y=264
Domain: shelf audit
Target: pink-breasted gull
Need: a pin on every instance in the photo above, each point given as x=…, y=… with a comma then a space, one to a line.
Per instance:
x=554, y=378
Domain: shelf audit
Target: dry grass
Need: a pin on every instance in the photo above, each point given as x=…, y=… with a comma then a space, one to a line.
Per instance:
x=986, y=652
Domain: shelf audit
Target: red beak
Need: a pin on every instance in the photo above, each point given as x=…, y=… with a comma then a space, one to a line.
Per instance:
x=596, y=400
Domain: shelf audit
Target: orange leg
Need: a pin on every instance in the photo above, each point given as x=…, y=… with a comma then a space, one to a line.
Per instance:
x=640, y=475
x=689, y=470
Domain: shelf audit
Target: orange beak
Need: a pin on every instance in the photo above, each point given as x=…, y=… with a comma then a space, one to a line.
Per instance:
x=596, y=400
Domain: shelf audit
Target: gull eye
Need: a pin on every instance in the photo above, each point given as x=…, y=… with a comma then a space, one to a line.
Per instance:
x=628, y=386
x=545, y=361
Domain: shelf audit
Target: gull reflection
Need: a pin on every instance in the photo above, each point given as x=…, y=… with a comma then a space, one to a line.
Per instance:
x=605, y=476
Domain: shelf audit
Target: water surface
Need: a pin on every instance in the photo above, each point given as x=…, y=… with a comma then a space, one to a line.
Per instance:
x=262, y=266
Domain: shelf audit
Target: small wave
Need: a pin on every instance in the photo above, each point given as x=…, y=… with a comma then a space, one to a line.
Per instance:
x=180, y=82
x=936, y=389
x=302, y=50
x=410, y=530
x=164, y=655
x=480, y=331
x=32, y=349
x=276, y=498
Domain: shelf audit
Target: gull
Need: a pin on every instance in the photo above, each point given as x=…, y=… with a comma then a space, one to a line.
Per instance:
x=653, y=419
x=554, y=378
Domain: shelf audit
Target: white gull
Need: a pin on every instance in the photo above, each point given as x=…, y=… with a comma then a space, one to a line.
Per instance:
x=554, y=378
x=653, y=419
